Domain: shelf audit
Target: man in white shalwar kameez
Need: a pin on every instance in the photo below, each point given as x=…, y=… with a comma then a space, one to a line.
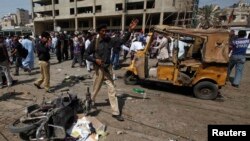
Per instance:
x=164, y=51
x=28, y=62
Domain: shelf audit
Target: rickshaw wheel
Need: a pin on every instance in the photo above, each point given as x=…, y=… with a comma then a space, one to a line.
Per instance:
x=130, y=78
x=206, y=90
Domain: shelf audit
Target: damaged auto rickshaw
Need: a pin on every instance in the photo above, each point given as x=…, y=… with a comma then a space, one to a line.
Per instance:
x=203, y=65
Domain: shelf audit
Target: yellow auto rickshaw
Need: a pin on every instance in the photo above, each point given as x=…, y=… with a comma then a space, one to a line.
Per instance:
x=203, y=65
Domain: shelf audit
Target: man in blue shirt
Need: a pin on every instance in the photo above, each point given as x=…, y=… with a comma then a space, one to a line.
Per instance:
x=239, y=46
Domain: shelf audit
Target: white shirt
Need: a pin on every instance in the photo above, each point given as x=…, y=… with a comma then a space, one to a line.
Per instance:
x=87, y=42
x=135, y=46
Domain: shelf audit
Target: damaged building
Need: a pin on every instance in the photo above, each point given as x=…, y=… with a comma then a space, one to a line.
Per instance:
x=81, y=15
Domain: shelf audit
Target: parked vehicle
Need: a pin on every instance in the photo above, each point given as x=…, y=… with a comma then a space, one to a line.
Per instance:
x=203, y=65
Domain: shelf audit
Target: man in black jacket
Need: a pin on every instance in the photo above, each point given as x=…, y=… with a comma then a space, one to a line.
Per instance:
x=4, y=64
x=17, y=47
x=100, y=47
x=44, y=57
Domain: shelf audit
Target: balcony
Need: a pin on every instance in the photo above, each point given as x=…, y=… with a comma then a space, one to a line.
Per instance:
x=44, y=18
x=43, y=8
x=42, y=2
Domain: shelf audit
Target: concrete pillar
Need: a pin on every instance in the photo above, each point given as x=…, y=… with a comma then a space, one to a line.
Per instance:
x=33, y=17
x=123, y=22
x=75, y=13
x=144, y=22
x=54, y=24
x=144, y=16
x=161, y=18
x=94, y=17
x=94, y=23
x=76, y=24
x=162, y=13
x=32, y=9
x=53, y=15
x=123, y=15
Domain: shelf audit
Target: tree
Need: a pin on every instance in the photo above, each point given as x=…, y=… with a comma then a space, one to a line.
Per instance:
x=208, y=16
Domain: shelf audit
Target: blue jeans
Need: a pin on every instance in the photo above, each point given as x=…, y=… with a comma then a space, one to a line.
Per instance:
x=236, y=61
x=115, y=60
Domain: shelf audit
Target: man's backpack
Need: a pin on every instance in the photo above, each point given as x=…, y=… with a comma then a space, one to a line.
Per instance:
x=23, y=52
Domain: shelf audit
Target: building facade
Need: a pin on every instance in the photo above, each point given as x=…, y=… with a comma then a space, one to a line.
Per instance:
x=9, y=21
x=22, y=17
x=237, y=15
x=81, y=15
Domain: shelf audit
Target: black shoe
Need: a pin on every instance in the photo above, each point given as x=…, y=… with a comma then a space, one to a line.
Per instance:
x=38, y=87
x=236, y=86
x=118, y=117
x=14, y=82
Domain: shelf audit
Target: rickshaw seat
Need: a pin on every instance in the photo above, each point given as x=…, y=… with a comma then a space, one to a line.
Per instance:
x=190, y=62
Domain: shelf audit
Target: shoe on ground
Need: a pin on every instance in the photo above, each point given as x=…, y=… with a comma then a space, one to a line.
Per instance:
x=72, y=66
x=14, y=82
x=236, y=86
x=38, y=87
x=118, y=117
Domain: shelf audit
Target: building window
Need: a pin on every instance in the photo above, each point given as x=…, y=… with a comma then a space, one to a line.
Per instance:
x=71, y=0
x=56, y=12
x=134, y=5
x=83, y=24
x=63, y=24
x=72, y=11
x=85, y=10
x=56, y=1
x=116, y=22
x=118, y=7
x=150, y=4
x=173, y=3
x=98, y=9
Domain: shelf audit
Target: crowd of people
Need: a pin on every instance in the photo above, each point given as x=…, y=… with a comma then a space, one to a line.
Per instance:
x=96, y=51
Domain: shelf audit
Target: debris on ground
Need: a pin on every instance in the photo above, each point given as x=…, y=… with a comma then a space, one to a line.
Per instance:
x=75, y=78
x=120, y=132
x=87, y=129
x=140, y=91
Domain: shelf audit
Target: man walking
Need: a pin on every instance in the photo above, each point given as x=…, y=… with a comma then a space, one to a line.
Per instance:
x=17, y=47
x=4, y=64
x=100, y=47
x=44, y=57
x=116, y=44
x=239, y=46
x=28, y=62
